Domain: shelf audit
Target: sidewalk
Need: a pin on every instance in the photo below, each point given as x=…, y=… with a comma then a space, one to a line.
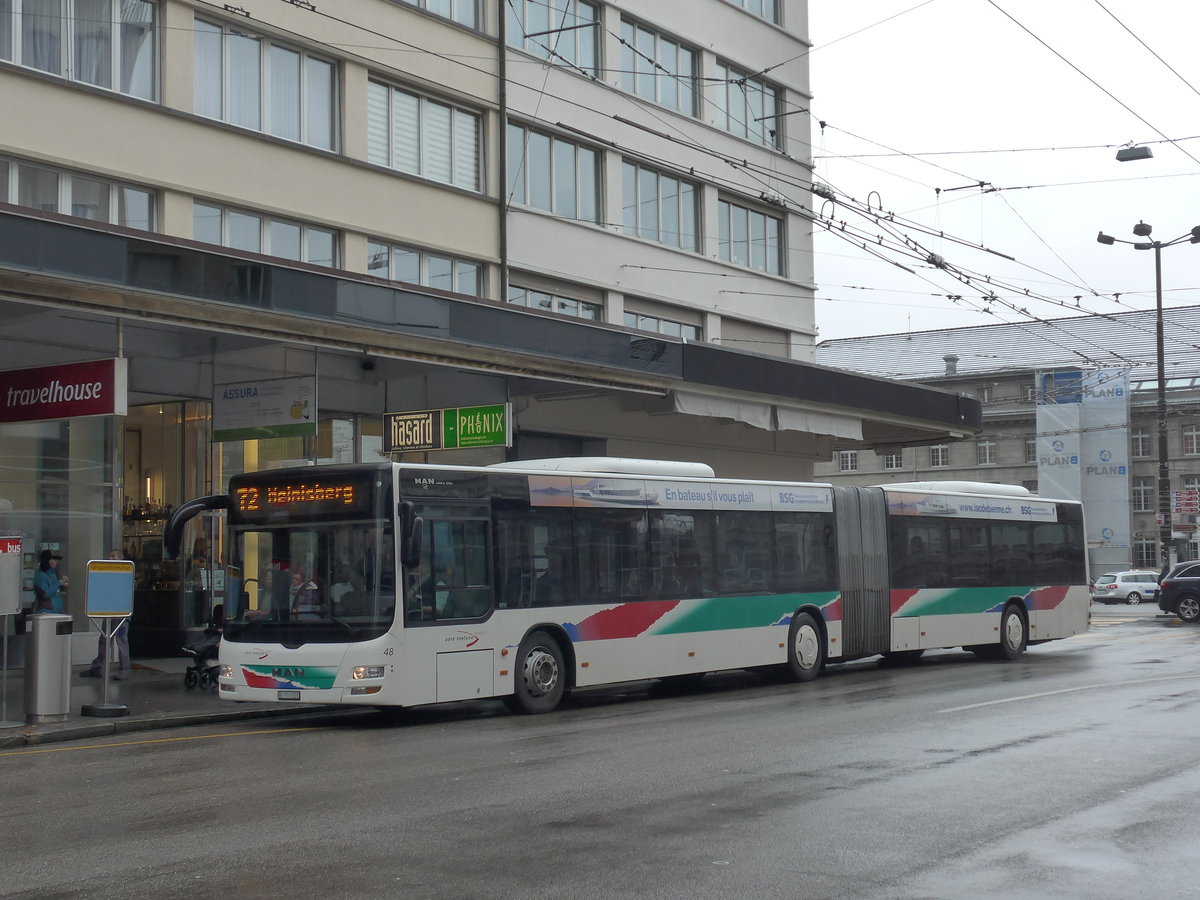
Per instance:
x=155, y=696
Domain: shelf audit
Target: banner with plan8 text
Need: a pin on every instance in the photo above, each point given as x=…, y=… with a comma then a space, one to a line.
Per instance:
x=1083, y=454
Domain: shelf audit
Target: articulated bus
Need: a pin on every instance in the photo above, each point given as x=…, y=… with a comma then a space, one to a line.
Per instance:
x=399, y=585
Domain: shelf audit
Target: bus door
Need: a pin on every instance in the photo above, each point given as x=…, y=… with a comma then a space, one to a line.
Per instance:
x=452, y=578
x=862, y=540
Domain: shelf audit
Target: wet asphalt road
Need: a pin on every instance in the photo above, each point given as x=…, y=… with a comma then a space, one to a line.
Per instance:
x=1070, y=773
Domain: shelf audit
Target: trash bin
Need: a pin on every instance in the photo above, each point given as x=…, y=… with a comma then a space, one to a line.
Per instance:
x=48, y=669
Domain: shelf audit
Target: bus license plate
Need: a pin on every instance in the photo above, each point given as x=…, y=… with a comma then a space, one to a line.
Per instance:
x=289, y=695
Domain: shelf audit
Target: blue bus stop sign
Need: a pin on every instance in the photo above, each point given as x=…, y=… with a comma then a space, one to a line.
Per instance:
x=109, y=587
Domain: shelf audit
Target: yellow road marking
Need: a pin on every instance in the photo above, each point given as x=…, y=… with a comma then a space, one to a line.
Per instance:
x=173, y=740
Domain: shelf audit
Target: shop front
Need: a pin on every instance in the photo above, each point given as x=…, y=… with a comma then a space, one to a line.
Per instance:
x=59, y=426
x=89, y=478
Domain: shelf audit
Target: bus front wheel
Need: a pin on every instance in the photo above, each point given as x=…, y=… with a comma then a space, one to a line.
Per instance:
x=540, y=676
x=806, y=648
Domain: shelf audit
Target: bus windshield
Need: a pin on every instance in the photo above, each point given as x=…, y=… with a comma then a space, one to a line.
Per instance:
x=315, y=582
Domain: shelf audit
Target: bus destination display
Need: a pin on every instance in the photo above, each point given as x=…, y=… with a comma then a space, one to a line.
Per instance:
x=306, y=498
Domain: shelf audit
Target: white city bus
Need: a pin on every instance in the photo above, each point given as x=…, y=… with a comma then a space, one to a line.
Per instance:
x=401, y=585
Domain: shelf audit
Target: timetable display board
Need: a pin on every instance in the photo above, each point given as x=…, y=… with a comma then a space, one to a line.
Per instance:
x=109, y=587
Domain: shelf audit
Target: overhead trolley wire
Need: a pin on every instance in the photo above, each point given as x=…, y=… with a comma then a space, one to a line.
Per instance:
x=1097, y=84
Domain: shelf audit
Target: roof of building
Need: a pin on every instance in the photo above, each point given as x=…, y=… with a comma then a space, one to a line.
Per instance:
x=1123, y=340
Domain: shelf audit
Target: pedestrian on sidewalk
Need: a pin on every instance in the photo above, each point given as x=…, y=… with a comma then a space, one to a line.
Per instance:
x=121, y=639
x=48, y=585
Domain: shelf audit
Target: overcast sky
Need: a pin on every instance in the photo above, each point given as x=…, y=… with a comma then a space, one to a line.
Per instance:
x=931, y=78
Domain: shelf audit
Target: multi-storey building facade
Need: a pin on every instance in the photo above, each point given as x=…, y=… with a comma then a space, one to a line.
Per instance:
x=590, y=212
x=998, y=365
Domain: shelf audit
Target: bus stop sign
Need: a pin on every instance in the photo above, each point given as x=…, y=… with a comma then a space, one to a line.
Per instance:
x=109, y=587
x=10, y=575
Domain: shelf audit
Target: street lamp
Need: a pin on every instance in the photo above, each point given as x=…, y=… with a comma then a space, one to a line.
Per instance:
x=1142, y=230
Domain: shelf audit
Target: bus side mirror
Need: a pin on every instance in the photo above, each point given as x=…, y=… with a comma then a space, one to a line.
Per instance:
x=412, y=556
x=411, y=526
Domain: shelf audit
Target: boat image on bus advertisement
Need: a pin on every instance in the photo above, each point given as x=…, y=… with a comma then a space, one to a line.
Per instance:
x=400, y=585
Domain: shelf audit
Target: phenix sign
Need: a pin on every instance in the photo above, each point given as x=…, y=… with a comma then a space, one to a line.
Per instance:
x=96, y=388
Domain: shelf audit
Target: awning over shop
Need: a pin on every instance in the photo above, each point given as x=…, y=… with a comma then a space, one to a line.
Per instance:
x=767, y=416
x=848, y=427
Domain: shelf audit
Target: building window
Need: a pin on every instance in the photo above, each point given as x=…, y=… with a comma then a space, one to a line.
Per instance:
x=564, y=31
x=553, y=174
x=985, y=452
x=659, y=325
x=848, y=461
x=110, y=44
x=1143, y=493
x=1139, y=442
x=76, y=194
x=1145, y=554
x=254, y=233
x=893, y=460
x=1191, y=440
x=749, y=238
x=657, y=68
x=251, y=81
x=463, y=12
x=764, y=9
x=419, y=267
x=984, y=392
x=423, y=137
x=939, y=456
x=659, y=208
x=747, y=107
x=567, y=306
x=1030, y=450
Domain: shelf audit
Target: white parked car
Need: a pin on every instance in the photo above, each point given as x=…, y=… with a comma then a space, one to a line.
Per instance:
x=1125, y=587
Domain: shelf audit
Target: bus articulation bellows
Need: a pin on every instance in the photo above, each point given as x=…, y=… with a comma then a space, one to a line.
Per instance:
x=401, y=585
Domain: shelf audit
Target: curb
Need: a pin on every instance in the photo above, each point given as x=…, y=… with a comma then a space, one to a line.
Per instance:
x=27, y=737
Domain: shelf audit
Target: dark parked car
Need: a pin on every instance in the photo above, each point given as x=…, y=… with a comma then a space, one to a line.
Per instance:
x=1179, y=592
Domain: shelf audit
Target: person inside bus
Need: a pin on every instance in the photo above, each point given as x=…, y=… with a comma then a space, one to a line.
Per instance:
x=348, y=583
x=306, y=601
x=552, y=585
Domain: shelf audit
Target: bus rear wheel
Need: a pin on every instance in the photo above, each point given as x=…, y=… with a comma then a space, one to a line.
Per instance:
x=1014, y=637
x=806, y=648
x=540, y=677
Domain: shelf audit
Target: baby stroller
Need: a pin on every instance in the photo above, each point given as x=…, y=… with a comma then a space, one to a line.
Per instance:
x=202, y=671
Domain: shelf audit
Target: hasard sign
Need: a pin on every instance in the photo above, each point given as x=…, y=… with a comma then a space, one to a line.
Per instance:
x=447, y=429
x=96, y=388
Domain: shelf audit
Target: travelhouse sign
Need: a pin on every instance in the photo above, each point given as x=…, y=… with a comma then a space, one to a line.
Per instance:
x=95, y=388
x=447, y=429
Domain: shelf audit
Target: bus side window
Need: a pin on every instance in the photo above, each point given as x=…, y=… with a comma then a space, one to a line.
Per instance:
x=611, y=543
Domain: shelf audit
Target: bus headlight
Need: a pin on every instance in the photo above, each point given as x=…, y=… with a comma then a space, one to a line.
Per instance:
x=226, y=671
x=360, y=672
